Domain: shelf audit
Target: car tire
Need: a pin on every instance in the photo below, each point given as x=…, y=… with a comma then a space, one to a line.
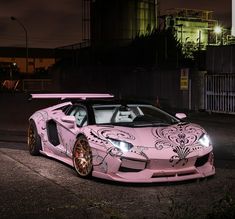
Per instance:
x=82, y=157
x=34, y=140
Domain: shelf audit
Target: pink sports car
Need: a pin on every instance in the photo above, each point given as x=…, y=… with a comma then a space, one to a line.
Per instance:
x=119, y=140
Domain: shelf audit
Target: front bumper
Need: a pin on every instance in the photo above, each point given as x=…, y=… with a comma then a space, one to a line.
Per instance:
x=140, y=172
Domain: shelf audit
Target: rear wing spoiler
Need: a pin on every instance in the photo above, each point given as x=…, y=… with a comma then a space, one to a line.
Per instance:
x=63, y=96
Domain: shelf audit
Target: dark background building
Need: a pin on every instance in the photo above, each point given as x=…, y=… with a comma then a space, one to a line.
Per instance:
x=117, y=22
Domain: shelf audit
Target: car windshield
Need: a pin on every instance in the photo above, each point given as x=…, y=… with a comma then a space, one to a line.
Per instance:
x=132, y=115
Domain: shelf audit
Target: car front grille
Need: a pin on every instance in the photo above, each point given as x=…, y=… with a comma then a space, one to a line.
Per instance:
x=129, y=165
x=202, y=160
x=126, y=169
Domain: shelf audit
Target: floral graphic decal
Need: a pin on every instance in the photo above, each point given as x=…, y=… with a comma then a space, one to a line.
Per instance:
x=182, y=138
x=100, y=136
x=115, y=134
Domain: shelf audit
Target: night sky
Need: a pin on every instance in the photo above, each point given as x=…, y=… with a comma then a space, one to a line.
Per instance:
x=53, y=23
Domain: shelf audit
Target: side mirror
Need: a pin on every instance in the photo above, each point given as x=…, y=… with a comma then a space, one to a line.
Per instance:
x=180, y=115
x=71, y=120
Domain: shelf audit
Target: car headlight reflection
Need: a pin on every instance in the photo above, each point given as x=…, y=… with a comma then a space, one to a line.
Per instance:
x=122, y=145
x=205, y=140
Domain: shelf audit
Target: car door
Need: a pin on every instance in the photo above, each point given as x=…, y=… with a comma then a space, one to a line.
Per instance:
x=71, y=124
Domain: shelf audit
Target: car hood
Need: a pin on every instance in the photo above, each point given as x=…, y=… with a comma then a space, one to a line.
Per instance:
x=170, y=138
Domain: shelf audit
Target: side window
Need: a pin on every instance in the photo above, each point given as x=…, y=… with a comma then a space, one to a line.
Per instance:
x=80, y=113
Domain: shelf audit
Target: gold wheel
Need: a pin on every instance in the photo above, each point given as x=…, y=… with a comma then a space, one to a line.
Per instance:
x=82, y=157
x=34, y=141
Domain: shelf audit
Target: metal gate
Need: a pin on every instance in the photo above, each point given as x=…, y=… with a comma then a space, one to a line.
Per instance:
x=220, y=93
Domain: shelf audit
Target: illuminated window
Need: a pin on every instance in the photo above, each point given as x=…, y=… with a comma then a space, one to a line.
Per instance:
x=145, y=17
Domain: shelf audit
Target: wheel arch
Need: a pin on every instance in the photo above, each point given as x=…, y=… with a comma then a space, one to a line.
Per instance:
x=31, y=119
x=37, y=124
x=79, y=135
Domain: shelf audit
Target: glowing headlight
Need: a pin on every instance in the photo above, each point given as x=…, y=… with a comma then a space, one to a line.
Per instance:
x=205, y=140
x=122, y=145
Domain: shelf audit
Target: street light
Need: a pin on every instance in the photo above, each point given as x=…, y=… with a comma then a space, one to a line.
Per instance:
x=26, y=40
x=217, y=31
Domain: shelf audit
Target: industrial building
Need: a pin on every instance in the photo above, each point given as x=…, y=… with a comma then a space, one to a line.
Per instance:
x=117, y=22
x=194, y=28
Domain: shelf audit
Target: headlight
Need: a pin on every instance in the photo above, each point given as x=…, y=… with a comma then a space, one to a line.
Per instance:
x=122, y=145
x=205, y=140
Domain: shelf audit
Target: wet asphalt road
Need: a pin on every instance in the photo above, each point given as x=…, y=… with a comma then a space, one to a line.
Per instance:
x=39, y=187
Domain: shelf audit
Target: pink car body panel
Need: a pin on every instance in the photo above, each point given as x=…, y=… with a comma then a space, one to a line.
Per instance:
x=159, y=154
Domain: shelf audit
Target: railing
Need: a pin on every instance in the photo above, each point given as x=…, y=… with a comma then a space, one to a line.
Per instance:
x=10, y=84
x=220, y=93
x=36, y=84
